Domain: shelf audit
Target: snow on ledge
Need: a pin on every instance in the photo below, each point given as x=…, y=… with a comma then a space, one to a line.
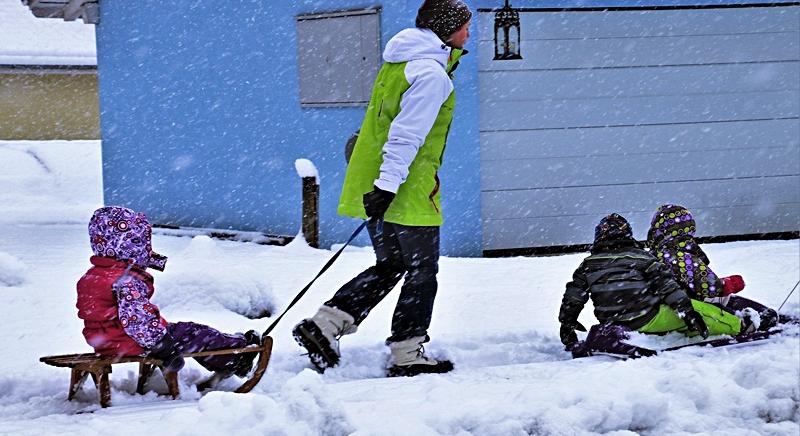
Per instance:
x=27, y=40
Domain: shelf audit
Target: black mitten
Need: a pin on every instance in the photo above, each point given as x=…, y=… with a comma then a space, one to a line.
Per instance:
x=694, y=321
x=568, y=336
x=377, y=202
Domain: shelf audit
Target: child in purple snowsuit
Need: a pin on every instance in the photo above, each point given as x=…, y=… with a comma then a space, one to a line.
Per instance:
x=671, y=239
x=114, y=301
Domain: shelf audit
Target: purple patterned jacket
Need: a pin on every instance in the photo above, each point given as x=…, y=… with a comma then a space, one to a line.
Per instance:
x=671, y=239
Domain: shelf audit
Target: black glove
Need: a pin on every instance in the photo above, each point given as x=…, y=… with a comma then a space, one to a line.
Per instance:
x=377, y=201
x=166, y=351
x=694, y=321
x=568, y=336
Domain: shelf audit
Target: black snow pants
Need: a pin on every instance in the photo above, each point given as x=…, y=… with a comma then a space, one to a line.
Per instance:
x=399, y=250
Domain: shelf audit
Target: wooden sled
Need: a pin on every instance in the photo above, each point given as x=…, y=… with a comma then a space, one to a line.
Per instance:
x=86, y=364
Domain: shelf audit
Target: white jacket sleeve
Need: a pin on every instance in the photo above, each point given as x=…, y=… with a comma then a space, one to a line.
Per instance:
x=419, y=107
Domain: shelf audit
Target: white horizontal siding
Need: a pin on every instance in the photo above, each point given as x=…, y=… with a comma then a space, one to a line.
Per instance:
x=646, y=52
x=591, y=200
x=631, y=111
x=632, y=169
x=620, y=111
x=647, y=23
x=523, y=85
x=579, y=229
x=631, y=140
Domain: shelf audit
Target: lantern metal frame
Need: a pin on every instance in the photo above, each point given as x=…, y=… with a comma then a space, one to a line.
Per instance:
x=506, y=19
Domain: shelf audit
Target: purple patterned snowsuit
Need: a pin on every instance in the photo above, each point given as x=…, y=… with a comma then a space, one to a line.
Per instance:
x=672, y=239
x=114, y=298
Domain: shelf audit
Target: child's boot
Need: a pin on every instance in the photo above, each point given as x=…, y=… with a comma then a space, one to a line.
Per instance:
x=751, y=321
x=409, y=359
x=320, y=334
x=244, y=362
x=784, y=318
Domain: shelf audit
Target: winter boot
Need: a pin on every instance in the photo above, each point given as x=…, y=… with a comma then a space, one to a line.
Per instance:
x=758, y=321
x=245, y=362
x=320, y=334
x=752, y=321
x=787, y=319
x=252, y=337
x=769, y=319
x=755, y=316
x=409, y=359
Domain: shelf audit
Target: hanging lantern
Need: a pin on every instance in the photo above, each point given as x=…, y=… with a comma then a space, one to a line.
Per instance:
x=506, y=34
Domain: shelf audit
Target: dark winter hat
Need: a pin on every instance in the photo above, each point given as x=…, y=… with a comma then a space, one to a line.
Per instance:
x=612, y=227
x=444, y=17
x=122, y=234
x=670, y=221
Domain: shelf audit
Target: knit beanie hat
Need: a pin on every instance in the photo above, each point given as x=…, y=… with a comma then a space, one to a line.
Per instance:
x=612, y=227
x=444, y=17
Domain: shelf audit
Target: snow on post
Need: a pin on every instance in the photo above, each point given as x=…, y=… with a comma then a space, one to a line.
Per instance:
x=310, y=224
x=305, y=168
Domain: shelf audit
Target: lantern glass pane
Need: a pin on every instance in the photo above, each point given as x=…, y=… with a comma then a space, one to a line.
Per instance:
x=513, y=37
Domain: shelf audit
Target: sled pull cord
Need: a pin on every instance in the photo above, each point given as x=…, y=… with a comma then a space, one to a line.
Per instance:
x=790, y=294
x=322, y=271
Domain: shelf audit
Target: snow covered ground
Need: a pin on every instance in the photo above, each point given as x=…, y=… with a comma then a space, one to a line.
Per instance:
x=496, y=318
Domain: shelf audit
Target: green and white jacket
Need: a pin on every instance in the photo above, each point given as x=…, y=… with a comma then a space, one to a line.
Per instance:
x=402, y=139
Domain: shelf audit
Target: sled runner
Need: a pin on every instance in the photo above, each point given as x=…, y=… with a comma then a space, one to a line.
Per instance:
x=84, y=365
x=727, y=341
x=261, y=366
x=610, y=340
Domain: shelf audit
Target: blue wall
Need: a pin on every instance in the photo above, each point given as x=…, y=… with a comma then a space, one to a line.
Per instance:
x=201, y=121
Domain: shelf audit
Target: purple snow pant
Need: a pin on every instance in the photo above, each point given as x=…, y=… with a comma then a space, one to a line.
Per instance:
x=191, y=337
x=737, y=303
x=608, y=338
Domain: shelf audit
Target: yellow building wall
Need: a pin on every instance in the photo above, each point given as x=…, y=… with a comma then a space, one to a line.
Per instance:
x=49, y=106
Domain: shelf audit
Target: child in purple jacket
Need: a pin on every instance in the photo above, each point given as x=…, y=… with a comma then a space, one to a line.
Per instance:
x=671, y=239
x=114, y=301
